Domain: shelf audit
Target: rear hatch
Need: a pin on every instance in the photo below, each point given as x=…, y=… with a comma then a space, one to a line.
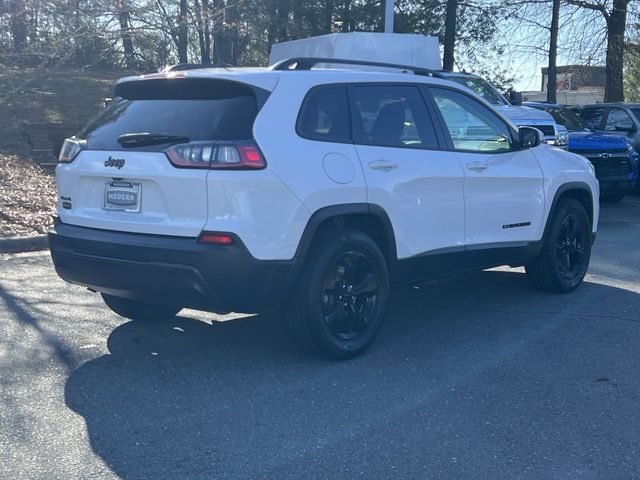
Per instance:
x=141, y=165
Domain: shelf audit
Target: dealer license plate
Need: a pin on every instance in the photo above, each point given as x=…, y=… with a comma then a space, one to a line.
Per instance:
x=122, y=196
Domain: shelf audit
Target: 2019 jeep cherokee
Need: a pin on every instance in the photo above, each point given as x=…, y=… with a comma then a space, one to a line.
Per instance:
x=309, y=190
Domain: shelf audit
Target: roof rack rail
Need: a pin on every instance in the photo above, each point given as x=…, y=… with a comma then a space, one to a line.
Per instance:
x=307, y=63
x=179, y=67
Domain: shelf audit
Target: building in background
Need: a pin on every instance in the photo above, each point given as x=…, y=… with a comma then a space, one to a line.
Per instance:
x=577, y=85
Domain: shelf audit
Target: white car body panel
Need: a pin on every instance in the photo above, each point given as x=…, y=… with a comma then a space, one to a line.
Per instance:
x=425, y=192
x=173, y=200
x=509, y=192
x=561, y=168
x=260, y=209
x=433, y=201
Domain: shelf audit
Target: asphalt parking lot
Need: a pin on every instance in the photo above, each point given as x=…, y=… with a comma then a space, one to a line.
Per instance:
x=476, y=376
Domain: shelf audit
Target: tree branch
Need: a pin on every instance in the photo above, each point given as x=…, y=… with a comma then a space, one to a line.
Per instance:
x=591, y=6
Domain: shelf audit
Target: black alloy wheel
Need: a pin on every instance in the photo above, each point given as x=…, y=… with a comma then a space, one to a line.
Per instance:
x=570, y=247
x=349, y=295
x=566, y=249
x=339, y=303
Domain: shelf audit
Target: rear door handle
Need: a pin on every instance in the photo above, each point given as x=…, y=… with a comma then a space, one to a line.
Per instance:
x=383, y=165
x=477, y=166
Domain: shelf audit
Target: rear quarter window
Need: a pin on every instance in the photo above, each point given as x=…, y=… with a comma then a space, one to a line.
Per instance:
x=324, y=115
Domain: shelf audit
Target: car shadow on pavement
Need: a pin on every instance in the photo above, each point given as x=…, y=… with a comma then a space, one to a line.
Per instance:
x=187, y=399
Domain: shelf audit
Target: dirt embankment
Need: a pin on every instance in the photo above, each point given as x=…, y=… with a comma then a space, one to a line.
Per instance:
x=27, y=197
x=33, y=96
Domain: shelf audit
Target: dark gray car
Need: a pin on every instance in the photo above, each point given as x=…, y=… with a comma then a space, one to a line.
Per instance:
x=615, y=118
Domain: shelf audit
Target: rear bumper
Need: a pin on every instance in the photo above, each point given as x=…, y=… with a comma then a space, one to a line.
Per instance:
x=170, y=270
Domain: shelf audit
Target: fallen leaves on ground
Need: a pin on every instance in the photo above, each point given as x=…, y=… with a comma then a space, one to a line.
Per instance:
x=27, y=197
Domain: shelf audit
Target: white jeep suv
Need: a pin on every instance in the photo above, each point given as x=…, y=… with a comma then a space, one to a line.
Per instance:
x=309, y=190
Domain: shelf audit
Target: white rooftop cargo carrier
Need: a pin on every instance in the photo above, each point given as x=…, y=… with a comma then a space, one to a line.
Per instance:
x=401, y=48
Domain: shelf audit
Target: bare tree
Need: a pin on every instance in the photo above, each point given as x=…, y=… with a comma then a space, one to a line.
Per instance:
x=122, y=7
x=17, y=13
x=448, y=60
x=203, y=34
x=552, y=83
x=183, y=32
x=615, y=17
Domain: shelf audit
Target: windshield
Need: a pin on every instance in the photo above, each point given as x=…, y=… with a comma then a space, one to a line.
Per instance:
x=568, y=119
x=636, y=112
x=482, y=88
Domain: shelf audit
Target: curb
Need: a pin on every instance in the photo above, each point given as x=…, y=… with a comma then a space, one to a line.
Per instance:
x=24, y=244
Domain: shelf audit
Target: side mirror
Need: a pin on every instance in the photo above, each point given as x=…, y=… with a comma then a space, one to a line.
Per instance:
x=530, y=137
x=625, y=127
x=515, y=98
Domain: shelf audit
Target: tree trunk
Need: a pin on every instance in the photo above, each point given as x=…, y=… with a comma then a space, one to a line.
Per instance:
x=448, y=59
x=76, y=32
x=18, y=18
x=613, y=89
x=327, y=24
x=207, y=29
x=297, y=9
x=346, y=16
x=232, y=18
x=272, y=29
x=284, y=8
x=183, y=32
x=125, y=33
x=200, y=29
x=552, y=83
x=220, y=48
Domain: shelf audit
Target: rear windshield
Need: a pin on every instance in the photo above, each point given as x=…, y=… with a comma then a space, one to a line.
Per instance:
x=210, y=110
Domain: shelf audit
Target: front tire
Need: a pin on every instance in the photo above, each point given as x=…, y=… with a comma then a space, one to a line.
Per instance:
x=564, y=260
x=138, y=311
x=339, y=305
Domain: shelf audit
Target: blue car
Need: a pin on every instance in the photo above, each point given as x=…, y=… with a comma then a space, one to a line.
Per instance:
x=614, y=158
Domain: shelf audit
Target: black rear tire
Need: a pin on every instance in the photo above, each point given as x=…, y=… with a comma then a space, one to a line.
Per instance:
x=338, y=307
x=564, y=260
x=139, y=311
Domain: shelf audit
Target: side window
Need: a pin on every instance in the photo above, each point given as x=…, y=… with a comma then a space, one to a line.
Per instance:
x=391, y=116
x=618, y=119
x=324, y=115
x=472, y=126
x=593, y=116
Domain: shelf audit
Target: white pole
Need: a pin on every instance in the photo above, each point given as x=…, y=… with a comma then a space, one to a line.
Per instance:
x=388, y=16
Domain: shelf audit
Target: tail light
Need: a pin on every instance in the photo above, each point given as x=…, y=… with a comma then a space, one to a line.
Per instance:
x=214, y=238
x=70, y=149
x=217, y=155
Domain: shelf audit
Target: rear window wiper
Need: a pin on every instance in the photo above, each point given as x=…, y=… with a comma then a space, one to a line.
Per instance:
x=145, y=139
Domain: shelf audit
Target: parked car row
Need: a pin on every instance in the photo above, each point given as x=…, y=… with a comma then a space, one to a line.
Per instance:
x=606, y=134
x=614, y=157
